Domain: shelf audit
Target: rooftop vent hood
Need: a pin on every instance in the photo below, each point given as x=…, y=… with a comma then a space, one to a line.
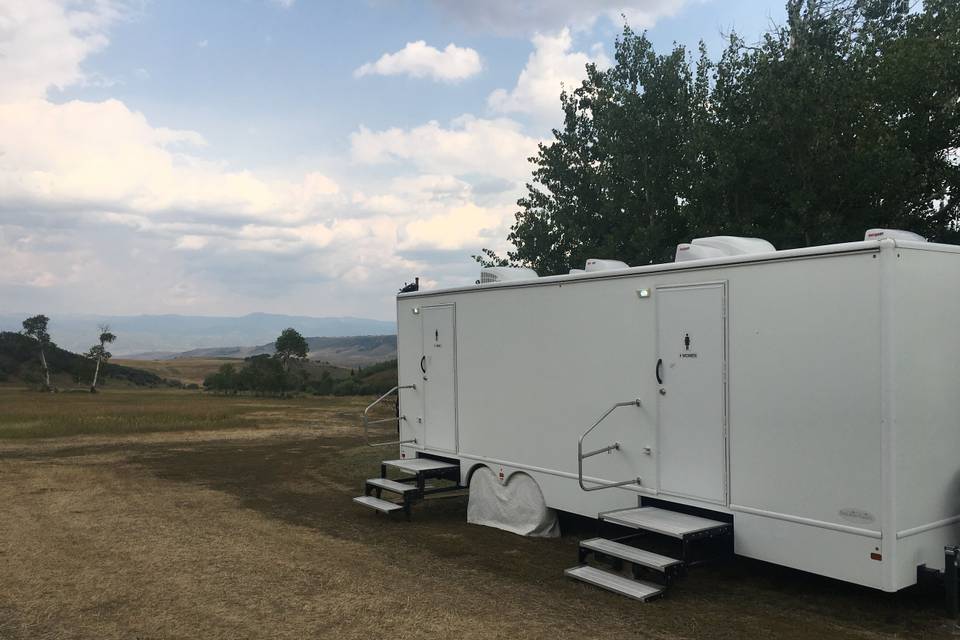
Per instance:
x=596, y=264
x=721, y=247
x=506, y=274
x=893, y=234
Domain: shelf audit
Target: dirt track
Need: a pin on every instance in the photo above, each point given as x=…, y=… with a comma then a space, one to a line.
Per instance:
x=250, y=533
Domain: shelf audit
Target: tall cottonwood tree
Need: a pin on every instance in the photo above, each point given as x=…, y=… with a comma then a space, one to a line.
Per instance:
x=36, y=327
x=99, y=353
x=844, y=118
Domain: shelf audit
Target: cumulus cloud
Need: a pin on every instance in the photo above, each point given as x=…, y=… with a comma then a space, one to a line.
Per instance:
x=455, y=228
x=83, y=156
x=551, y=66
x=102, y=209
x=526, y=16
x=420, y=60
x=470, y=145
x=43, y=42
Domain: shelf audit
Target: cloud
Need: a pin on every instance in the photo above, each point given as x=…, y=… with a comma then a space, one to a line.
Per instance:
x=84, y=156
x=103, y=210
x=419, y=60
x=550, y=67
x=515, y=17
x=470, y=145
x=456, y=228
x=43, y=42
x=138, y=213
x=191, y=243
x=284, y=4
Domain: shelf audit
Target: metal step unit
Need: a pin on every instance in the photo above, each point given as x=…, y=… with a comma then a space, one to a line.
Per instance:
x=383, y=506
x=649, y=573
x=385, y=484
x=668, y=523
x=412, y=487
x=633, y=555
x=695, y=534
x=636, y=589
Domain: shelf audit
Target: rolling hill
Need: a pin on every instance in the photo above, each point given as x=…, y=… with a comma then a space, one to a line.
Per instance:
x=353, y=351
x=166, y=335
x=19, y=363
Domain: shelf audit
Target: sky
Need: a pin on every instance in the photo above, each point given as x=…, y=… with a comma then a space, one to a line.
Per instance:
x=286, y=156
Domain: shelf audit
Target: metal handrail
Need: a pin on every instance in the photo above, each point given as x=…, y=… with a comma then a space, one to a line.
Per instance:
x=367, y=421
x=581, y=456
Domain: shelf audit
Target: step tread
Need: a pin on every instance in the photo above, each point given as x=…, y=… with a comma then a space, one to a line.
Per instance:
x=416, y=465
x=384, y=506
x=631, y=554
x=663, y=521
x=636, y=589
x=391, y=485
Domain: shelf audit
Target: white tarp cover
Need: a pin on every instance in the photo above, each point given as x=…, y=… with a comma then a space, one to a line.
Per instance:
x=517, y=506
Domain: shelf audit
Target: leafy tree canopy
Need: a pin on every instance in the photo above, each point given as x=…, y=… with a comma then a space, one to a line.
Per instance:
x=846, y=117
x=290, y=345
x=36, y=328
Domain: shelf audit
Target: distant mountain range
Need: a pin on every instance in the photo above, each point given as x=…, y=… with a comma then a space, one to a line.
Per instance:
x=350, y=351
x=168, y=335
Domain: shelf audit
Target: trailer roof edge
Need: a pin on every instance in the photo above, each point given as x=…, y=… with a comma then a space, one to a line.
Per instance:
x=866, y=246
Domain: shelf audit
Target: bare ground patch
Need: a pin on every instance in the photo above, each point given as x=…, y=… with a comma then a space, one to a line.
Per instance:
x=250, y=533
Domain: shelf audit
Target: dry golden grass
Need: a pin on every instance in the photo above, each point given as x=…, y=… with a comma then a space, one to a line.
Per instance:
x=32, y=414
x=248, y=531
x=186, y=370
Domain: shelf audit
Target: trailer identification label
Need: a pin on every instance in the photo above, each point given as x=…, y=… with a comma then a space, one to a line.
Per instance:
x=856, y=515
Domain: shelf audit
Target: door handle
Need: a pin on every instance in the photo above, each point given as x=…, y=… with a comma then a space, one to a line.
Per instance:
x=423, y=364
x=656, y=371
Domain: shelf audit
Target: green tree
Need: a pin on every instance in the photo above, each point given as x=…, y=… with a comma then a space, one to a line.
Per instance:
x=99, y=353
x=35, y=327
x=290, y=346
x=225, y=379
x=263, y=374
x=844, y=118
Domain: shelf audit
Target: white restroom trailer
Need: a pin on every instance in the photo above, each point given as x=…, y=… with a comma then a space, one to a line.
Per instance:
x=811, y=395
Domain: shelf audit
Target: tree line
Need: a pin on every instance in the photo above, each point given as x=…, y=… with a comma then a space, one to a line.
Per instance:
x=288, y=371
x=846, y=117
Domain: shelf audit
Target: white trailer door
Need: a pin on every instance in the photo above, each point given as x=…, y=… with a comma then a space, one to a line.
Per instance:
x=438, y=365
x=691, y=373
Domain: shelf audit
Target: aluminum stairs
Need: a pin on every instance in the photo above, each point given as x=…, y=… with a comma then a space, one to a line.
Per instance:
x=412, y=486
x=642, y=574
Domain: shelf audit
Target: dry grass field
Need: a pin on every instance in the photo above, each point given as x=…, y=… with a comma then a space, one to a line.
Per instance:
x=194, y=370
x=180, y=515
x=186, y=370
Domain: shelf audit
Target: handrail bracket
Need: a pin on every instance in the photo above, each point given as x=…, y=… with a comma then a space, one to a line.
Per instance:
x=581, y=456
x=367, y=421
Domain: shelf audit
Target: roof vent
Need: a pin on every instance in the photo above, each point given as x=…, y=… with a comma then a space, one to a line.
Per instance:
x=506, y=274
x=721, y=247
x=893, y=234
x=596, y=264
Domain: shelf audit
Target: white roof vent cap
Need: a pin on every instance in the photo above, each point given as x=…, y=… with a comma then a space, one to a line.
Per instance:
x=893, y=234
x=596, y=264
x=721, y=247
x=506, y=274
x=687, y=251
